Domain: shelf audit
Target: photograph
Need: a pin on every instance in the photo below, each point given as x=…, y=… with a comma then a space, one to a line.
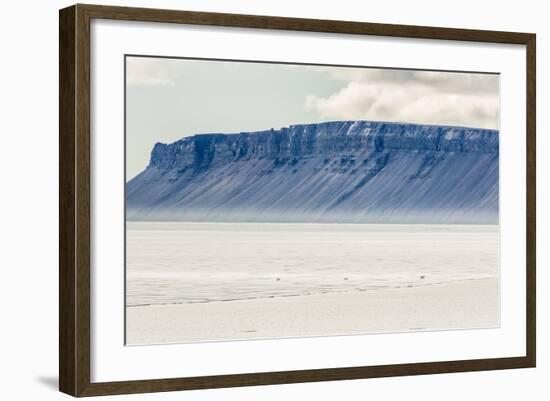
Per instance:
x=268, y=200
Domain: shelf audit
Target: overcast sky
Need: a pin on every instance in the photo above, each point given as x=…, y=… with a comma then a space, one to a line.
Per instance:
x=168, y=99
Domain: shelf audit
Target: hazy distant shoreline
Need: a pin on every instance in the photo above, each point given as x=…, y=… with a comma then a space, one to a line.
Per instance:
x=382, y=223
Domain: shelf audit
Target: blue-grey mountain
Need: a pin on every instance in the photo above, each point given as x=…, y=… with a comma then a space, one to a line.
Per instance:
x=346, y=171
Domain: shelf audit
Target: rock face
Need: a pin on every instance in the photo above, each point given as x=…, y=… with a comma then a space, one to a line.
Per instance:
x=346, y=171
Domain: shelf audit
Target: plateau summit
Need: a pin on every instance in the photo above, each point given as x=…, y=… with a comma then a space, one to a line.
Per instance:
x=344, y=172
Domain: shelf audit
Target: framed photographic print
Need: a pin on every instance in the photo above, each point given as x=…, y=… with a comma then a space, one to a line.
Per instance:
x=250, y=200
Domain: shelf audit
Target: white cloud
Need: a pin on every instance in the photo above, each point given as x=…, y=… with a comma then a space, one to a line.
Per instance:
x=142, y=71
x=412, y=96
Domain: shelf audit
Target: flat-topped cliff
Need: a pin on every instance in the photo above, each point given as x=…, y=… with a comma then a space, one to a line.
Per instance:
x=345, y=171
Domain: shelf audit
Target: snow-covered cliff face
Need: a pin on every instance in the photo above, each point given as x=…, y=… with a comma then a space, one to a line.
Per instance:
x=349, y=171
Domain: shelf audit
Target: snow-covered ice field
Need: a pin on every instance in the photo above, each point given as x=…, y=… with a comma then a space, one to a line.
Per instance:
x=223, y=281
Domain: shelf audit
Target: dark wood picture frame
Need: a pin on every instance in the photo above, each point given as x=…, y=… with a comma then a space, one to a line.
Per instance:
x=74, y=200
